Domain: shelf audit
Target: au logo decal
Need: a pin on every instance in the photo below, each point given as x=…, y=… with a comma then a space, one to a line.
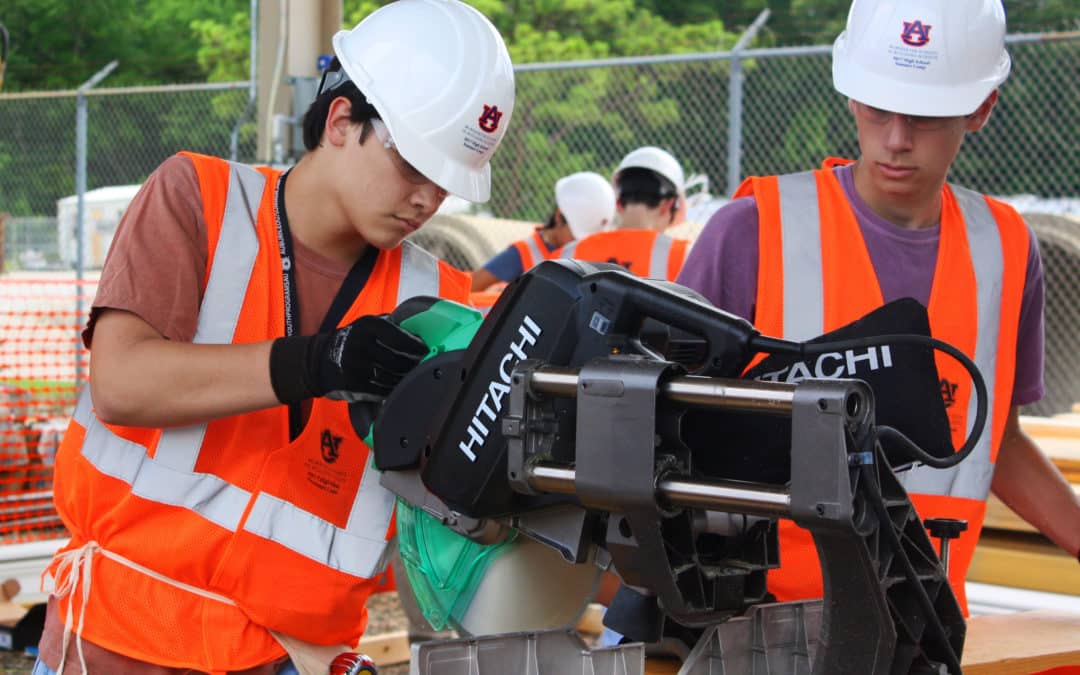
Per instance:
x=490, y=118
x=916, y=33
x=330, y=446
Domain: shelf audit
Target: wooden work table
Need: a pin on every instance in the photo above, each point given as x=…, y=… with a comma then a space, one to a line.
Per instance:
x=1022, y=643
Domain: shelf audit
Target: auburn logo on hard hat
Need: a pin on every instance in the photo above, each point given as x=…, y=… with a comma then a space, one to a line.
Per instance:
x=489, y=119
x=916, y=33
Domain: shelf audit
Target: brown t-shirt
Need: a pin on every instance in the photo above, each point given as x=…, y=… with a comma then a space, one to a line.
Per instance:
x=157, y=260
x=155, y=269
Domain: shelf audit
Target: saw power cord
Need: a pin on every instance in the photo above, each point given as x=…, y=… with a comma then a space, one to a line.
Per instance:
x=777, y=346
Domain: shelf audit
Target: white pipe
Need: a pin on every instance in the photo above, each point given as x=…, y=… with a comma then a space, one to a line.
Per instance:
x=275, y=80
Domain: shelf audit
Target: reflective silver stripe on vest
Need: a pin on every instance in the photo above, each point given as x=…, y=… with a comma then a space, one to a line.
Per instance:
x=168, y=478
x=568, y=250
x=538, y=256
x=804, y=312
x=236, y=249
x=209, y=496
x=972, y=478
x=658, y=259
x=800, y=231
x=314, y=538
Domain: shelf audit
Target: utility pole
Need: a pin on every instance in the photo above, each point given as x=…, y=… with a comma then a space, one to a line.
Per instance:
x=292, y=34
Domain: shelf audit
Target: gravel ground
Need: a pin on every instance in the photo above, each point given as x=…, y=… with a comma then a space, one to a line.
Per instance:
x=16, y=662
x=385, y=616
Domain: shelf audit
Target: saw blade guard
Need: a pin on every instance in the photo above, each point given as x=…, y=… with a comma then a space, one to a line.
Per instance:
x=457, y=582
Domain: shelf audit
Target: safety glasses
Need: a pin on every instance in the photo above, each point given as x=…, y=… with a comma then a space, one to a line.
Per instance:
x=407, y=171
x=879, y=117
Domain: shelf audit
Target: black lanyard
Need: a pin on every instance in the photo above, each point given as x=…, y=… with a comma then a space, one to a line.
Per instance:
x=350, y=288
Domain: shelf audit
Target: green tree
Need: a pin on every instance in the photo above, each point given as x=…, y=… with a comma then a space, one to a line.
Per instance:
x=565, y=120
x=586, y=119
x=61, y=43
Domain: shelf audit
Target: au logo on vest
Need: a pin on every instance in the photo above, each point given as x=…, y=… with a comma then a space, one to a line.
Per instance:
x=487, y=412
x=330, y=445
x=948, y=392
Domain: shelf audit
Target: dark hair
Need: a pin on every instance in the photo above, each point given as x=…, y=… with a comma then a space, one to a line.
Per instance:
x=315, y=117
x=551, y=221
x=643, y=186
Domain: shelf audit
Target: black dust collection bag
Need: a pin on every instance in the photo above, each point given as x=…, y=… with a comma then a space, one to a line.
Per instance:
x=903, y=376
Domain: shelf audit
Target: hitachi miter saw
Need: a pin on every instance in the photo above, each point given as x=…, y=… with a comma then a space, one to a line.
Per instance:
x=595, y=420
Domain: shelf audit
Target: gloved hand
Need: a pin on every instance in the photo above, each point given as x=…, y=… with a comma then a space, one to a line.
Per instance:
x=360, y=361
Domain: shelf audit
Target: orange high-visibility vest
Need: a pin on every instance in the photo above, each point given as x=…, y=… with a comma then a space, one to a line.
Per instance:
x=291, y=534
x=533, y=251
x=646, y=253
x=815, y=275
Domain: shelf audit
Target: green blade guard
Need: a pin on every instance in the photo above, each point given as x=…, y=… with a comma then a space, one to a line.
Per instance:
x=444, y=567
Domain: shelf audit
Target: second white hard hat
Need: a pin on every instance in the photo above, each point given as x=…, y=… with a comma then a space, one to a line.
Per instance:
x=936, y=58
x=439, y=74
x=587, y=202
x=655, y=159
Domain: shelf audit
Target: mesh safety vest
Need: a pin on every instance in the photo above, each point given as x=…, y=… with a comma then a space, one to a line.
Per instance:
x=815, y=275
x=291, y=532
x=533, y=251
x=646, y=253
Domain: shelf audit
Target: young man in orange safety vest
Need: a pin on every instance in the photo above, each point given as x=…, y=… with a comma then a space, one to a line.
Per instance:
x=584, y=204
x=650, y=197
x=806, y=253
x=223, y=512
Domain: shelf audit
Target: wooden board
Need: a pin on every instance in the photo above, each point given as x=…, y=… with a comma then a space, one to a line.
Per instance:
x=662, y=666
x=592, y=620
x=387, y=649
x=1024, y=561
x=1021, y=643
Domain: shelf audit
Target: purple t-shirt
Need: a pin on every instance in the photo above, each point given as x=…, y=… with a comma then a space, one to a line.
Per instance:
x=723, y=266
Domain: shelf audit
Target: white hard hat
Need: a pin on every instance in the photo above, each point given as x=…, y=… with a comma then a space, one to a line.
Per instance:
x=586, y=200
x=936, y=58
x=441, y=79
x=655, y=159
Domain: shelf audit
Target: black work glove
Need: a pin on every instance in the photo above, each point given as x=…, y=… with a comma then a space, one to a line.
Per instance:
x=361, y=361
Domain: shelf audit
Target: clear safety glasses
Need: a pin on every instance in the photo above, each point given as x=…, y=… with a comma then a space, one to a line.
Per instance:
x=407, y=171
x=880, y=117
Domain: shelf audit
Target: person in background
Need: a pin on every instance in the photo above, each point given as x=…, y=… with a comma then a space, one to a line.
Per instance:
x=806, y=253
x=223, y=512
x=584, y=204
x=650, y=186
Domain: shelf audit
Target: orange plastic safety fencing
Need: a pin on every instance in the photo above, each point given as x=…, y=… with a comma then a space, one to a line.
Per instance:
x=42, y=365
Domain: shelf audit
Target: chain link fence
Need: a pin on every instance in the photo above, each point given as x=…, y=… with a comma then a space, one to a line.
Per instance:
x=777, y=114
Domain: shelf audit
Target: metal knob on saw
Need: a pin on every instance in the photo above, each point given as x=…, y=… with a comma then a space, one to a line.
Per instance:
x=945, y=529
